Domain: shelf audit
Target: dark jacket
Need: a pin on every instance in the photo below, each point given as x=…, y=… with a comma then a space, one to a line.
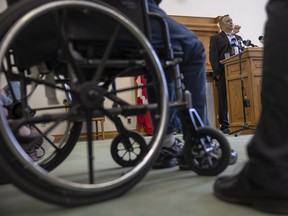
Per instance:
x=158, y=1
x=219, y=44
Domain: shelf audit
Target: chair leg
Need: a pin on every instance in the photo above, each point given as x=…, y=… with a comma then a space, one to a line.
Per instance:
x=102, y=129
x=96, y=130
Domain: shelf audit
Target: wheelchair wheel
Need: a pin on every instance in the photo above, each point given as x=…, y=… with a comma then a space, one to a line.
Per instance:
x=99, y=73
x=53, y=154
x=128, y=150
x=208, y=153
x=50, y=152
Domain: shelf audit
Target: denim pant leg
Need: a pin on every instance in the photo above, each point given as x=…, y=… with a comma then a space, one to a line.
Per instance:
x=4, y=100
x=194, y=71
x=16, y=90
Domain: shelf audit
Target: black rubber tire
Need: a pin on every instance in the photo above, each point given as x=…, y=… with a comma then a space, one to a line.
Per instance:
x=50, y=186
x=63, y=149
x=213, y=162
x=128, y=150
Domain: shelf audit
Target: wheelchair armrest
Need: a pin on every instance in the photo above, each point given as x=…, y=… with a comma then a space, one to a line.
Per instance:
x=165, y=34
x=178, y=53
x=172, y=57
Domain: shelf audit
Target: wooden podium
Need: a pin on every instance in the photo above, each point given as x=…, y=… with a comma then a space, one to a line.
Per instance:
x=252, y=75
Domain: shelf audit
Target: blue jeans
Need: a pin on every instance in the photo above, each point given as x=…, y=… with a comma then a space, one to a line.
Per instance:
x=193, y=65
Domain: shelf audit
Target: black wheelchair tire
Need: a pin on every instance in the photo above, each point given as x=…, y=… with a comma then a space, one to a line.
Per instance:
x=219, y=165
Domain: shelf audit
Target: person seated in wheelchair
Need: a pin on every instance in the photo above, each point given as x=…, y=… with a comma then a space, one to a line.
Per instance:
x=25, y=132
x=193, y=69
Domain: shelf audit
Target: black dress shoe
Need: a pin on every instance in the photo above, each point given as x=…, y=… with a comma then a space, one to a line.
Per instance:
x=242, y=190
x=226, y=131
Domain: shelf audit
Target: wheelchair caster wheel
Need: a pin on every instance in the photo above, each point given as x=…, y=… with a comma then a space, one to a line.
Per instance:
x=207, y=154
x=127, y=150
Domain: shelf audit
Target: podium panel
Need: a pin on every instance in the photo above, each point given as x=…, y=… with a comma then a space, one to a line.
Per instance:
x=251, y=64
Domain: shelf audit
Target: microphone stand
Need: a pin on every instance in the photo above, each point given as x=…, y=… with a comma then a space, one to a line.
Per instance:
x=245, y=101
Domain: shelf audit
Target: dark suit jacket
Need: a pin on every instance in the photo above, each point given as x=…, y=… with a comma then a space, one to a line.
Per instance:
x=219, y=44
x=158, y=1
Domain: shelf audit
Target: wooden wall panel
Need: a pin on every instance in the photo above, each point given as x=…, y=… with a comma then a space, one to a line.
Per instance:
x=204, y=27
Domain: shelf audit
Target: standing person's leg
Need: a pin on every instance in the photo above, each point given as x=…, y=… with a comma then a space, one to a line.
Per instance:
x=222, y=104
x=263, y=183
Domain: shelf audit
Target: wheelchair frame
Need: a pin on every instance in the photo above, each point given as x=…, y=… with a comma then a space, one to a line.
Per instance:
x=206, y=150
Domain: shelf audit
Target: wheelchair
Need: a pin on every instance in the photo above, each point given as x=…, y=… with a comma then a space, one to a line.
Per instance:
x=85, y=52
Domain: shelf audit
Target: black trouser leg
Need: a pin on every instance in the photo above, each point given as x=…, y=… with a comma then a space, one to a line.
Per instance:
x=268, y=151
x=222, y=102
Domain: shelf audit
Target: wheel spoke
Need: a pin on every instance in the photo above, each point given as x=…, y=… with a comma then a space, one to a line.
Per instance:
x=70, y=59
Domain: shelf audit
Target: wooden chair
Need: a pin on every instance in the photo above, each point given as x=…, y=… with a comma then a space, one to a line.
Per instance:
x=99, y=134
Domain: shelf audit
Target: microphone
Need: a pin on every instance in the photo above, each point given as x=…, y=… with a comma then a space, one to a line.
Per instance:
x=237, y=46
x=233, y=42
x=248, y=43
x=240, y=44
x=261, y=39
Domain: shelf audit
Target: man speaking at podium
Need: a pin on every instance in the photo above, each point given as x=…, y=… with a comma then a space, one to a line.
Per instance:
x=223, y=44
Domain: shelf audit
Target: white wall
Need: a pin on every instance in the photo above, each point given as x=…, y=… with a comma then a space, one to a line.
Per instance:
x=2, y=5
x=249, y=14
